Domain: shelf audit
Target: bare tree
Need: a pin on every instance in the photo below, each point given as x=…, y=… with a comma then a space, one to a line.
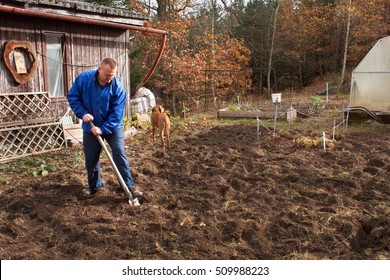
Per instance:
x=346, y=45
x=271, y=52
x=232, y=11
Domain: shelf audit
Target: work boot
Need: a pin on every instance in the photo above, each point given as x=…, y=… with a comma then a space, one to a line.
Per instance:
x=89, y=191
x=136, y=193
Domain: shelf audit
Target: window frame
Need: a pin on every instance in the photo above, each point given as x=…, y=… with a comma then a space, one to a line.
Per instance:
x=66, y=67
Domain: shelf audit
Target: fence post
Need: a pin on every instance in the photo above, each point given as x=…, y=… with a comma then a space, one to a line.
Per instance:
x=327, y=91
x=324, y=140
x=334, y=129
x=276, y=115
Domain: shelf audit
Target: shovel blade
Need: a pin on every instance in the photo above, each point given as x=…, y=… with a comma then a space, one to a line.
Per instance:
x=134, y=202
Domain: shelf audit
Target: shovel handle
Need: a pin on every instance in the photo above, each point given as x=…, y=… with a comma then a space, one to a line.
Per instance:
x=118, y=174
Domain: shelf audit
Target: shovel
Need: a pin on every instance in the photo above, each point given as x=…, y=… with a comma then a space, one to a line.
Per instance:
x=132, y=201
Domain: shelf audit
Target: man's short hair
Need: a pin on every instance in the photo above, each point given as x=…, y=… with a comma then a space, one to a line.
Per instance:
x=108, y=61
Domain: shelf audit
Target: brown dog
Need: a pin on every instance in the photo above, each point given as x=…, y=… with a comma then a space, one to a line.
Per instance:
x=161, y=121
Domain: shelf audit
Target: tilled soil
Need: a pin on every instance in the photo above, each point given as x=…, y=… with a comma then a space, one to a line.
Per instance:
x=216, y=193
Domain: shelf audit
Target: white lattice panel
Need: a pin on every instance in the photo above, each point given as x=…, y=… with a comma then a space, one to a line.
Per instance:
x=28, y=126
x=25, y=108
x=17, y=142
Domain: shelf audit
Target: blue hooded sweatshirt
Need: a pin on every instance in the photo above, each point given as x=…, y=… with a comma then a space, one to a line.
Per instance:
x=105, y=103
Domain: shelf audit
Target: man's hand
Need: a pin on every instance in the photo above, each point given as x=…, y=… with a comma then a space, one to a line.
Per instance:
x=87, y=118
x=96, y=131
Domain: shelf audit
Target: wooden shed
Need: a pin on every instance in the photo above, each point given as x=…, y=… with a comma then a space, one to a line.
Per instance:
x=44, y=45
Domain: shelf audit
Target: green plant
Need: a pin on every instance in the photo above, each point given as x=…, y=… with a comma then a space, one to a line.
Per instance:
x=245, y=121
x=177, y=122
x=76, y=160
x=5, y=166
x=18, y=166
x=315, y=101
x=43, y=168
x=185, y=110
x=129, y=122
x=126, y=122
x=233, y=107
x=4, y=180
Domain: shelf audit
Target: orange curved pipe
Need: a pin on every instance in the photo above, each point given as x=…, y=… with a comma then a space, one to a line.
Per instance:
x=154, y=65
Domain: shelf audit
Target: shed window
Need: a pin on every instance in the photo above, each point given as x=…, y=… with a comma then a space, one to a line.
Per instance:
x=55, y=64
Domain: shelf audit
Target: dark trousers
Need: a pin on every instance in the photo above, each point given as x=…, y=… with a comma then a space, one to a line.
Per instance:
x=92, y=149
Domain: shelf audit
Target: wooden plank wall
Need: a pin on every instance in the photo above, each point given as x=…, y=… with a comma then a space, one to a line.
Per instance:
x=85, y=48
x=87, y=45
x=115, y=44
x=120, y=50
x=89, y=48
x=13, y=27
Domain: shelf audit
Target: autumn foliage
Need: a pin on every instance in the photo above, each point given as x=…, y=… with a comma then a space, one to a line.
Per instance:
x=310, y=40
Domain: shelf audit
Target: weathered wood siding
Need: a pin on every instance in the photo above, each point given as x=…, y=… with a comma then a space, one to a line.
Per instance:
x=21, y=29
x=85, y=46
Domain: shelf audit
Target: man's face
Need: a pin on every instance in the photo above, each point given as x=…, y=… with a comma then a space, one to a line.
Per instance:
x=105, y=74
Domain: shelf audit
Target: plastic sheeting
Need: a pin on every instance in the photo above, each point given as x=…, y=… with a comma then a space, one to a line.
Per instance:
x=370, y=83
x=142, y=101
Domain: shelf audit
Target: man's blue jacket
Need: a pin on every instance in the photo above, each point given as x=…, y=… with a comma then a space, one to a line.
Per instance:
x=105, y=103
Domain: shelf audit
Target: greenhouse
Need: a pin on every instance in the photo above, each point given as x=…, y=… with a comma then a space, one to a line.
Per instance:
x=370, y=83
